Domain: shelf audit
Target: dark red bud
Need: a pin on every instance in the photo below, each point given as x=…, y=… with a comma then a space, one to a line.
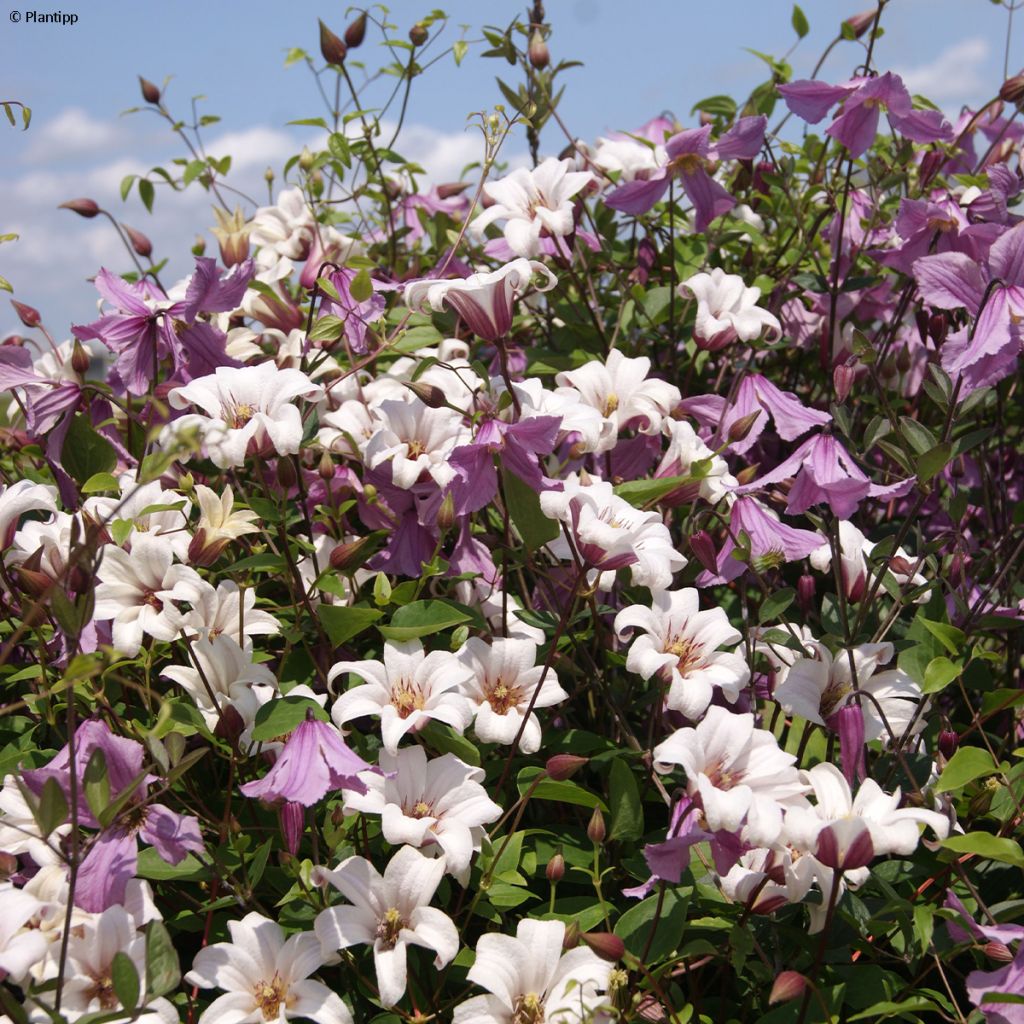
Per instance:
x=998, y=951
x=739, y=429
x=1012, y=90
x=921, y=319
x=788, y=985
x=83, y=207
x=418, y=34
x=538, y=52
x=805, y=588
x=949, y=740
x=596, y=830
x=564, y=766
x=452, y=188
x=703, y=548
x=428, y=394
x=332, y=48
x=326, y=467
x=150, y=93
x=286, y=475
x=931, y=164
x=80, y=358
x=555, y=870
x=27, y=314
x=140, y=243
x=356, y=32
x=860, y=23
x=843, y=377
x=605, y=944
x=571, y=939
x=938, y=326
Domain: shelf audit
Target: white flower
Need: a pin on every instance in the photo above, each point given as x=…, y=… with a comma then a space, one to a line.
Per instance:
x=437, y=804
x=21, y=948
x=726, y=310
x=533, y=203
x=533, y=981
x=623, y=394
x=19, y=831
x=222, y=674
x=249, y=410
x=610, y=534
x=741, y=776
x=415, y=439
x=219, y=524
x=19, y=498
x=712, y=479
x=286, y=229
x=779, y=645
x=629, y=158
x=816, y=688
x=406, y=690
x=265, y=977
x=149, y=509
x=138, y=591
x=681, y=648
x=505, y=675
x=388, y=912
x=226, y=610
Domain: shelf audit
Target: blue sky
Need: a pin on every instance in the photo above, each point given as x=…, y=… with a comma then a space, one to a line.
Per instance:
x=639, y=58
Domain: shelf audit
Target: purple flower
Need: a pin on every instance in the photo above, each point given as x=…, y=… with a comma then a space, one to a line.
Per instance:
x=985, y=988
x=357, y=314
x=314, y=761
x=992, y=291
x=863, y=99
x=691, y=154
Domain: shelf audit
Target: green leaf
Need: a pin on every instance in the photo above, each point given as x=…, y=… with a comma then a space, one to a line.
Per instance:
x=950, y=637
x=558, y=792
x=342, y=622
x=163, y=972
x=125, y=979
x=939, y=674
x=986, y=845
x=966, y=765
x=445, y=739
x=424, y=618
x=775, y=604
x=636, y=924
x=459, y=48
x=86, y=453
x=921, y=439
x=96, y=783
x=126, y=186
x=146, y=193
x=934, y=461
x=100, y=482
x=524, y=508
x=361, y=287
x=799, y=22
x=153, y=867
x=886, y=1008
x=645, y=492
x=338, y=147
x=52, y=809
x=279, y=717
x=327, y=328
x=624, y=799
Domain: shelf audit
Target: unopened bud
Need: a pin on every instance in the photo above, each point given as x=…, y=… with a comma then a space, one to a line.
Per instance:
x=150, y=93
x=596, y=830
x=286, y=475
x=199, y=246
x=921, y=319
x=418, y=34
x=860, y=23
x=351, y=555
x=140, y=243
x=703, y=548
x=843, y=377
x=949, y=740
x=748, y=473
x=739, y=429
x=555, y=870
x=571, y=939
x=332, y=48
x=788, y=985
x=606, y=945
x=805, y=592
x=446, y=513
x=370, y=493
x=706, y=119
x=306, y=159
x=428, y=394
x=538, y=52
x=32, y=581
x=903, y=360
x=80, y=358
x=998, y=951
x=268, y=175
x=326, y=467
x=356, y=32
x=28, y=315
x=452, y=188
x=1012, y=91
x=938, y=326
x=83, y=207
x=931, y=164
x=564, y=766
x=292, y=817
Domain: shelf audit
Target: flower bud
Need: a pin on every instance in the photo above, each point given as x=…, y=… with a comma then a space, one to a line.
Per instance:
x=80, y=358
x=745, y=475
x=931, y=164
x=418, y=34
x=998, y=951
x=306, y=159
x=27, y=314
x=446, y=514
x=428, y=394
x=788, y=985
x=150, y=93
x=596, y=830
x=83, y=207
x=805, y=588
x=564, y=766
x=646, y=254
x=351, y=555
x=538, y=52
x=268, y=175
x=356, y=32
x=739, y=429
x=843, y=377
x=606, y=945
x=1012, y=90
x=571, y=939
x=555, y=870
x=452, y=188
x=140, y=243
x=332, y=48
x=326, y=467
x=949, y=740
x=370, y=493
x=703, y=548
x=199, y=246
x=293, y=823
x=860, y=23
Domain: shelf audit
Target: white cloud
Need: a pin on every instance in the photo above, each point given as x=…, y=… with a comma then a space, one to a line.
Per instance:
x=71, y=134
x=955, y=77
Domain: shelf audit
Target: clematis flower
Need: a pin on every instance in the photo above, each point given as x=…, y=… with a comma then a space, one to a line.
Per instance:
x=826, y=474
x=609, y=534
x=286, y=229
x=727, y=310
x=436, y=805
x=357, y=314
x=137, y=591
x=742, y=778
x=249, y=411
x=407, y=690
x=389, y=912
x=219, y=524
x=314, y=762
x=21, y=948
x=863, y=100
x=687, y=455
x=691, y=154
x=535, y=204
x=484, y=301
x=19, y=498
x=148, y=509
x=623, y=393
x=680, y=646
x=226, y=610
x=505, y=675
x=985, y=987
x=265, y=977
x=531, y=980
x=634, y=155
x=992, y=291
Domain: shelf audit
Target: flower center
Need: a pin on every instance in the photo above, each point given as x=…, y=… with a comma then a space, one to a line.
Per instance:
x=421, y=810
x=406, y=697
x=503, y=698
x=690, y=163
x=721, y=777
x=103, y=990
x=834, y=697
x=150, y=598
x=416, y=449
x=770, y=559
x=236, y=416
x=611, y=403
x=528, y=1009
x=391, y=925
x=687, y=651
x=269, y=995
